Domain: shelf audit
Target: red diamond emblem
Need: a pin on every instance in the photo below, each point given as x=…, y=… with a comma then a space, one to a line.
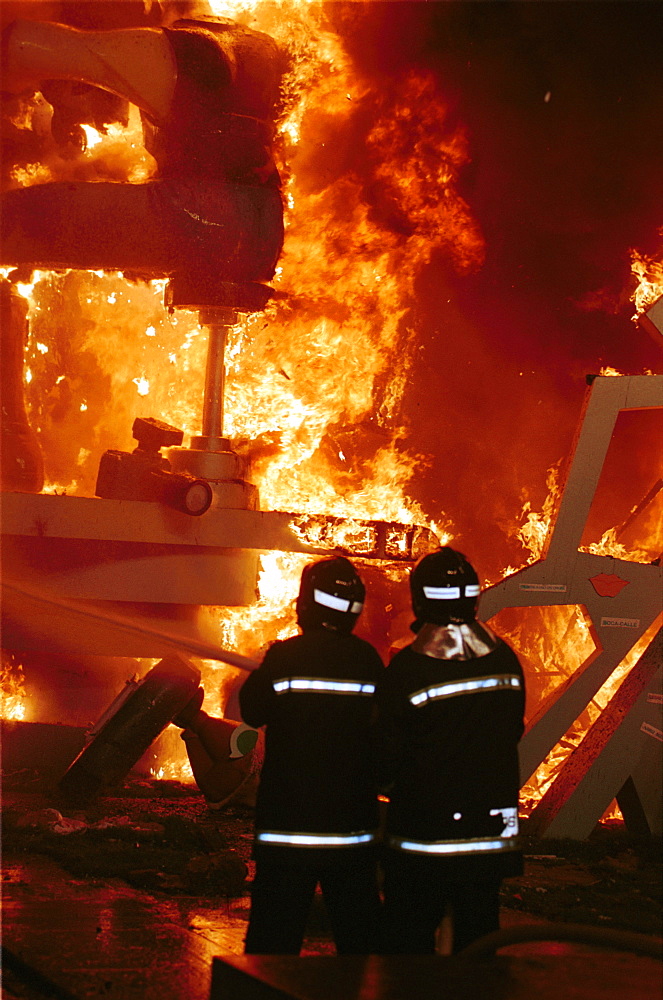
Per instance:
x=607, y=584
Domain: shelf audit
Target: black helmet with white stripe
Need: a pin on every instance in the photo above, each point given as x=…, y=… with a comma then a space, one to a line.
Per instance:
x=331, y=595
x=445, y=588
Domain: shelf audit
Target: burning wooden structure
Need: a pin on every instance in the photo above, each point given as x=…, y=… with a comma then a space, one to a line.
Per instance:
x=123, y=575
x=620, y=755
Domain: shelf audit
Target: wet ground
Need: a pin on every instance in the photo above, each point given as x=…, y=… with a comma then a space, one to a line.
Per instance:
x=146, y=885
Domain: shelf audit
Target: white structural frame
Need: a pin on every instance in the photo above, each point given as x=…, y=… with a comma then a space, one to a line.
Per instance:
x=627, y=757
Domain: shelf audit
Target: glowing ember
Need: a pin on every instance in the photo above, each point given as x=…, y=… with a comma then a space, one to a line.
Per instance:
x=12, y=690
x=174, y=771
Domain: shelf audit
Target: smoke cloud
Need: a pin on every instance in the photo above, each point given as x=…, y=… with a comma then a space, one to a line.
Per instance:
x=562, y=104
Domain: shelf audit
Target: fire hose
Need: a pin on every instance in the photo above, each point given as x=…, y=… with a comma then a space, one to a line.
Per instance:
x=602, y=937
x=202, y=648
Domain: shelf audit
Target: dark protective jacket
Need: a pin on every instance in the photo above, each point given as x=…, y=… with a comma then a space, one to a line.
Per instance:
x=447, y=737
x=315, y=695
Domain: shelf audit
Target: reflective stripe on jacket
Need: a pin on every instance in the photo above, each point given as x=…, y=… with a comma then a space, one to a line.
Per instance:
x=286, y=839
x=473, y=686
x=319, y=686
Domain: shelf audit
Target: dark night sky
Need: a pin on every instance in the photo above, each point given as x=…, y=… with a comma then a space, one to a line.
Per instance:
x=562, y=189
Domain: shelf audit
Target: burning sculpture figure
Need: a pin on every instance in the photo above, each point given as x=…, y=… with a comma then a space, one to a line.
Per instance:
x=450, y=718
x=220, y=751
x=316, y=809
x=206, y=88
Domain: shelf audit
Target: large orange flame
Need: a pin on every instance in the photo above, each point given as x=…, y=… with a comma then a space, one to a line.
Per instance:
x=314, y=384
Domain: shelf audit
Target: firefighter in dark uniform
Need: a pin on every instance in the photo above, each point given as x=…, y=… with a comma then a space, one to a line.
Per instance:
x=450, y=717
x=316, y=809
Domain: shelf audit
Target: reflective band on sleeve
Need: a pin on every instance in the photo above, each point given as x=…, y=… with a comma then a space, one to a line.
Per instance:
x=356, y=608
x=451, y=847
x=314, y=839
x=330, y=601
x=477, y=684
x=326, y=686
x=472, y=590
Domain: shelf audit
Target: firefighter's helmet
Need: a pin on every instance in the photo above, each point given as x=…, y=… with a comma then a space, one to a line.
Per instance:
x=445, y=588
x=331, y=595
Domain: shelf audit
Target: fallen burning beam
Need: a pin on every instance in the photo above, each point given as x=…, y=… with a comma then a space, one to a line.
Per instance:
x=629, y=748
x=49, y=516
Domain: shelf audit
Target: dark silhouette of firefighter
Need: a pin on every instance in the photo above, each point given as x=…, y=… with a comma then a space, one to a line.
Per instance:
x=207, y=89
x=450, y=717
x=316, y=809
